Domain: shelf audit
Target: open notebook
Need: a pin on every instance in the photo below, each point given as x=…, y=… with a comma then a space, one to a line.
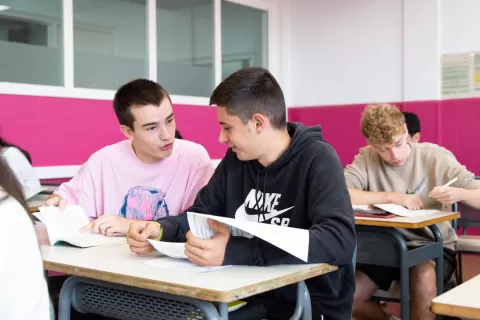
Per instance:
x=64, y=226
x=392, y=208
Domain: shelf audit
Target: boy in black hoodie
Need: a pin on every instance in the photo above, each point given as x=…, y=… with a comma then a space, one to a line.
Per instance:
x=274, y=172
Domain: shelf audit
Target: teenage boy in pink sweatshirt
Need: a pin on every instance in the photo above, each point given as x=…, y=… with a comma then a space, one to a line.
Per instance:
x=149, y=176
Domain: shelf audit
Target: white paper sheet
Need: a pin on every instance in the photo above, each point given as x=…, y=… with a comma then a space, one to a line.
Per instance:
x=167, y=262
x=171, y=249
x=199, y=226
x=65, y=226
x=280, y=237
x=404, y=212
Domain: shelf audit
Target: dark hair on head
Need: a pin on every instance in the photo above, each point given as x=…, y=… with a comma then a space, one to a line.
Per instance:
x=249, y=91
x=10, y=185
x=5, y=144
x=413, y=123
x=140, y=92
x=177, y=134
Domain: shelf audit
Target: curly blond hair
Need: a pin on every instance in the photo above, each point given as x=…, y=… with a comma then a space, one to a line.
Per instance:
x=381, y=122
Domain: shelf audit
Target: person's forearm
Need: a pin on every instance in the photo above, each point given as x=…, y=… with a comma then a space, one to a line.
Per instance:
x=470, y=197
x=368, y=197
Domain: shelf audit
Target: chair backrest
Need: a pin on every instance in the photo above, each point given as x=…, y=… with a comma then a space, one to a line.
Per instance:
x=455, y=222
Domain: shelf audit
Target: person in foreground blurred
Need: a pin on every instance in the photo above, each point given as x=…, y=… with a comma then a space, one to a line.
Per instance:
x=24, y=293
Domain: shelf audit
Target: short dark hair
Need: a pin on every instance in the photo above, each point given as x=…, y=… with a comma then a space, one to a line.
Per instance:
x=413, y=123
x=249, y=91
x=139, y=92
x=177, y=134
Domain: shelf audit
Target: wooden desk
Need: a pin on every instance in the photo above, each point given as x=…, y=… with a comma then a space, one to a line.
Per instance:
x=408, y=223
x=381, y=252
x=118, y=265
x=461, y=301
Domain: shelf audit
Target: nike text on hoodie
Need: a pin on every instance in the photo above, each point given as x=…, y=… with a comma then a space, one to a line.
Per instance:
x=305, y=188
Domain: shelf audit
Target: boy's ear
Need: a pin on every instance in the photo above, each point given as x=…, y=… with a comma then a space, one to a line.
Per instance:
x=127, y=132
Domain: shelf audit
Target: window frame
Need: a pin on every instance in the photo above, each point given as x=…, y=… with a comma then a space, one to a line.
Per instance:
x=68, y=90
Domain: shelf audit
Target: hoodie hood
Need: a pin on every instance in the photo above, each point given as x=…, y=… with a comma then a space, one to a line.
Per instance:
x=301, y=138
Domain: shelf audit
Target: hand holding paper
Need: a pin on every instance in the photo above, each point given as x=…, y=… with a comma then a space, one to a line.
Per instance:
x=280, y=237
x=139, y=232
x=207, y=251
x=56, y=201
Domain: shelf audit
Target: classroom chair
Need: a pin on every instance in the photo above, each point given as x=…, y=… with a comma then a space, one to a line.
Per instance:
x=467, y=244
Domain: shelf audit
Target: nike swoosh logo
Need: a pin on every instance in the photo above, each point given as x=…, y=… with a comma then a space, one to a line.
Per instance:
x=242, y=214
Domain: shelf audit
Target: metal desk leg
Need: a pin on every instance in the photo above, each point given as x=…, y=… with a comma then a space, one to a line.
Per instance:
x=65, y=300
x=307, y=308
x=438, y=260
x=297, y=314
x=404, y=274
x=222, y=310
x=438, y=263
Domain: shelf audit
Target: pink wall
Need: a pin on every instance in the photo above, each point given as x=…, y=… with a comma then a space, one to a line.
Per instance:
x=66, y=131
x=453, y=124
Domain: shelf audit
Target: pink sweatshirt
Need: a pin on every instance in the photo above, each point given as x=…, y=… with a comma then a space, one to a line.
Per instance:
x=114, y=180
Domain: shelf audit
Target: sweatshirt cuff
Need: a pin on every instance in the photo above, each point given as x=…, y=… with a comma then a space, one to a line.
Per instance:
x=239, y=251
x=168, y=230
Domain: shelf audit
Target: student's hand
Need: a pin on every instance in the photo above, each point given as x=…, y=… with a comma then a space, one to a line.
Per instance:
x=139, y=232
x=108, y=225
x=56, y=201
x=208, y=252
x=445, y=195
x=409, y=201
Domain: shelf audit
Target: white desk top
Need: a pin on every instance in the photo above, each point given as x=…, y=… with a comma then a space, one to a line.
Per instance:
x=461, y=301
x=408, y=223
x=117, y=264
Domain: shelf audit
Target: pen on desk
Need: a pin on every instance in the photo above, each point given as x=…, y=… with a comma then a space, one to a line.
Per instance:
x=449, y=183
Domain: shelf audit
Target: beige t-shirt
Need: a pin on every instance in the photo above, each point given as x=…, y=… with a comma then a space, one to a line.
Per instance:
x=370, y=173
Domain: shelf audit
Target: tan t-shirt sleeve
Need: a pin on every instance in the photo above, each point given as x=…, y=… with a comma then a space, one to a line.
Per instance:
x=466, y=179
x=356, y=173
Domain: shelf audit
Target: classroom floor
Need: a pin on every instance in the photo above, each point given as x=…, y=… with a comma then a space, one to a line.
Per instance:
x=471, y=268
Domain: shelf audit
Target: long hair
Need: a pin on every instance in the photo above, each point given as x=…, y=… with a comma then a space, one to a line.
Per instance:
x=5, y=144
x=10, y=185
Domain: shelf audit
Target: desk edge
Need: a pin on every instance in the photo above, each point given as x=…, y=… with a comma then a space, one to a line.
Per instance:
x=191, y=291
x=455, y=311
x=406, y=225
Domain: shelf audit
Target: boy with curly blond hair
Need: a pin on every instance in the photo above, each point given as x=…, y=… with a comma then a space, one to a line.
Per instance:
x=392, y=170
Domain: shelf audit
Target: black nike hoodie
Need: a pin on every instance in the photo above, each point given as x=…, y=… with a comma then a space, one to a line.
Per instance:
x=305, y=188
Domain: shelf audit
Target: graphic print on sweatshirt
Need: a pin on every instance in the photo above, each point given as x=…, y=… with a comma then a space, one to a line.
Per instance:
x=263, y=208
x=144, y=203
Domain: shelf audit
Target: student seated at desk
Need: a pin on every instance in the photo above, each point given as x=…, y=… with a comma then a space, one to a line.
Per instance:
x=20, y=163
x=24, y=293
x=276, y=173
x=413, y=126
x=392, y=170
x=149, y=176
